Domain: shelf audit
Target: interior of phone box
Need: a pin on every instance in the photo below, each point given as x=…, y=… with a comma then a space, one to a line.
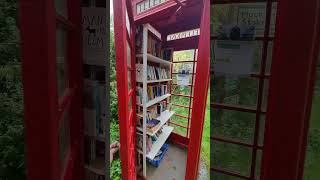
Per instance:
x=179, y=28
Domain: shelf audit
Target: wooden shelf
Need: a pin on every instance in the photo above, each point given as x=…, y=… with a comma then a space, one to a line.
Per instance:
x=157, y=100
x=166, y=131
x=163, y=118
x=155, y=59
x=97, y=166
x=156, y=81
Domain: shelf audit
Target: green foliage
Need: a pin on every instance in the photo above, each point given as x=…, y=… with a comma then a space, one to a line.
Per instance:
x=11, y=106
x=115, y=168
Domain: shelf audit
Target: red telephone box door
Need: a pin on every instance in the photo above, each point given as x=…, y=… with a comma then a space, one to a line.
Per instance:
x=52, y=61
x=124, y=31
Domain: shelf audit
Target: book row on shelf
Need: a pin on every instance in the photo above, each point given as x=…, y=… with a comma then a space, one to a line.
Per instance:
x=154, y=46
x=153, y=72
x=153, y=91
x=156, y=73
x=94, y=108
x=94, y=96
x=153, y=112
x=149, y=141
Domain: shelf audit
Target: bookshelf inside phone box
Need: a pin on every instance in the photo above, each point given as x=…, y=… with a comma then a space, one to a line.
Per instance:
x=161, y=74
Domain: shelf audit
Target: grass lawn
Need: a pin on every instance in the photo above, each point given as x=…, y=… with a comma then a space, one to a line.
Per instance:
x=312, y=163
x=205, y=146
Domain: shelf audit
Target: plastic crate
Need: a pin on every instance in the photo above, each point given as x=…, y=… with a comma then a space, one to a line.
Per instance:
x=156, y=162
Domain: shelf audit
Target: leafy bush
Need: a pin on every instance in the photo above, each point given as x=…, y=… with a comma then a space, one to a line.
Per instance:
x=11, y=106
x=115, y=168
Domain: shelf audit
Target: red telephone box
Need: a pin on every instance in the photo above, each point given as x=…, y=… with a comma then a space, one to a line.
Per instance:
x=52, y=79
x=161, y=20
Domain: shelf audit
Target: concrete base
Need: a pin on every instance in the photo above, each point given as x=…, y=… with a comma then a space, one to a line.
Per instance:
x=172, y=167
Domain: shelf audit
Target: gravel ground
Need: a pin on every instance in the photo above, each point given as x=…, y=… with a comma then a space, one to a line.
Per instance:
x=203, y=172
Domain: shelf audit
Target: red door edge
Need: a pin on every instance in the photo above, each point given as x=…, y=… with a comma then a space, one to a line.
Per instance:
x=200, y=95
x=290, y=87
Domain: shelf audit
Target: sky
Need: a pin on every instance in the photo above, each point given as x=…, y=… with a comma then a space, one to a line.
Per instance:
x=111, y=7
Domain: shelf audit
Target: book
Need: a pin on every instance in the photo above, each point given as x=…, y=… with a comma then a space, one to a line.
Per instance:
x=157, y=73
x=166, y=54
x=154, y=91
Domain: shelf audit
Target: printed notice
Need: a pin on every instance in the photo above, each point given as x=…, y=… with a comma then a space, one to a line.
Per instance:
x=255, y=15
x=233, y=57
x=94, y=36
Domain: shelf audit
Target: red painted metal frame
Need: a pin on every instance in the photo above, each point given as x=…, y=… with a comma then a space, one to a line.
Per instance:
x=182, y=95
x=38, y=93
x=153, y=10
x=290, y=101
x=258, y=110
x=41, y=100
x=200, y=95
x=126, y=116
x=313, y=77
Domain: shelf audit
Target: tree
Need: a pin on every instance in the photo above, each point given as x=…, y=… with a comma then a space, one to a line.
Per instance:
x=11, y=107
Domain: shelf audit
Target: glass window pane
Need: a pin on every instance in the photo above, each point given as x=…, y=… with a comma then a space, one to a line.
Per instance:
x=262, y=130
x=220, y=176
x=130, y=103
x=128, y=23
x=64, y=138
x=231, y=157
x=185, y=55
x=129, y=80
x=269, y=58
x=183, y=67
x=312, y=161
x=184, y=90
x=265, y=95
x=61, y=62
x=258, y=164
x=181, y=110
x=234, y=90
x=179, y=130
x=235, y=125
x=128, y=55
x=61, y=7
x=273, y=19
x=180, y=100
x=179, y=120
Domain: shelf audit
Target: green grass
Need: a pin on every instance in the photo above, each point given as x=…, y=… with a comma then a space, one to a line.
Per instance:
x=205, y=145
x=312, y=162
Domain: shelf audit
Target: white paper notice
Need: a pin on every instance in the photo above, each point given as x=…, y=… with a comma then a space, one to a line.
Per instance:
x=183, y=79
x=94, y=24
x=233, y=57
x=255, y=15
